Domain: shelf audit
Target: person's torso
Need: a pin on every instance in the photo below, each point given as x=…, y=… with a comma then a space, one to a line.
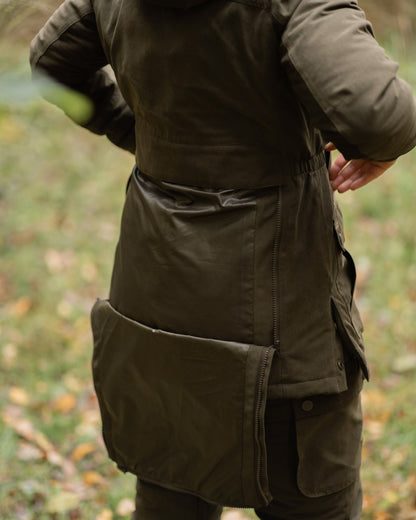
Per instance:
x=212, y=102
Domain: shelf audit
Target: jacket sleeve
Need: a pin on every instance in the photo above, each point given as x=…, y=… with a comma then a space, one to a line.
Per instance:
x=69, y=51
x=345, y=80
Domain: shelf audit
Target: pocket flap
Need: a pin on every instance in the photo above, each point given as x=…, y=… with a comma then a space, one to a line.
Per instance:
x=181, y=411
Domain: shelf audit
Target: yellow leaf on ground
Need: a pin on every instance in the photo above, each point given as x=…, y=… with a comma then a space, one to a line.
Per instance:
x=382, y=515
x=25, y=429
x=368, y=502
x=91, y=478
x=64, y=309
x=9, y=355
x=27, y=451
x=374, y=429
x=392, y=496
x=18, y=396
x=21, y=307
x=11, y=130
x=64, y=403
x=62, y=502
x=58, y=261
x=125, y=507
x=89, y=272
x=105, y=514
x=82, y=450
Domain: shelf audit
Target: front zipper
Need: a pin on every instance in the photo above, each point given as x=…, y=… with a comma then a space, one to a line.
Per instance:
x=275, y=271
x=261, y=470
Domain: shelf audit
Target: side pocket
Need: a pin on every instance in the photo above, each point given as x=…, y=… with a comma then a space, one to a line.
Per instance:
x=345, y=313
x=350, y=338
x=180, y=411
x=329, y=441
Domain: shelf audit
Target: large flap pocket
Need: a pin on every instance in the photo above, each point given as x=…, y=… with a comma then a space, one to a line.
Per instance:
x=181, y=411
x=329, y=439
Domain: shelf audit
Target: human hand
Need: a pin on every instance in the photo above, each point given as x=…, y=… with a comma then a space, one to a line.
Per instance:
x=351, y=175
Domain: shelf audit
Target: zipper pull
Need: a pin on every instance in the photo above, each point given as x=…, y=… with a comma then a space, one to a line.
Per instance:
x=276, y=346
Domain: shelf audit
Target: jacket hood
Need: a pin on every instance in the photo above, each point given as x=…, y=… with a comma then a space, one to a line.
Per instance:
x=176, y=4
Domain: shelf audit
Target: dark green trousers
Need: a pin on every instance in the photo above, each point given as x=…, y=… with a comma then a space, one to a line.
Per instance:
x=314, y=453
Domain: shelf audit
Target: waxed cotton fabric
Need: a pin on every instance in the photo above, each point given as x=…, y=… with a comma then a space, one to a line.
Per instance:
x=258, y=262
x=197, y=406
x=313, y=458
x=329, y=438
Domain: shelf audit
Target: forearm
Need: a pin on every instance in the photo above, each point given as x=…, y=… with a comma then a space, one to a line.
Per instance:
x=346, y=81
x=68, y=50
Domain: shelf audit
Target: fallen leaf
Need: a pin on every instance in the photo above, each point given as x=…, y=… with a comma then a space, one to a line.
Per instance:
x=90, y=422
x=58, y=261
x=363, y=267
x=91, y=478
x=25, y=429
x=125, y=507
x=391, y=496
x=105, y=514
x=11, y=130
x=82, y=450
x=64, y=309
x=382, y=515
x=41, y=387
x=18, y=396
x=396, y=302
x=61, y=502
x=9, y=355
x=21, y=307
x=398, y=456
x=374, y=429
x=89, y=271
x=73, y=383
x=376, y=406
x=27, y=451
x=64, y=403
x=404, y=364
x=368, y=502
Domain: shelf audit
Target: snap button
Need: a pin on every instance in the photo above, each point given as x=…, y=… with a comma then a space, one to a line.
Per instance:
x=340, y=364
x=307, y=405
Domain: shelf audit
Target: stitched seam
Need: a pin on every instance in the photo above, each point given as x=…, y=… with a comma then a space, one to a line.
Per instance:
x=65, y=28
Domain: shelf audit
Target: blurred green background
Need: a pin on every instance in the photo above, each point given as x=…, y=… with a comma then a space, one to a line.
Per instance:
x=61, y=194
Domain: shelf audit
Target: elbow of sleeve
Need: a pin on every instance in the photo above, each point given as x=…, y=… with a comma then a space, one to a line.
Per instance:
x=381, y=131
x=392, y=135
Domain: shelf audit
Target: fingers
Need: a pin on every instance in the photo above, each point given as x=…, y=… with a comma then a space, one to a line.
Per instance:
x=351, y=175
x=345, y=173
x=337, y=166
x=330, y=147
x=358, y=173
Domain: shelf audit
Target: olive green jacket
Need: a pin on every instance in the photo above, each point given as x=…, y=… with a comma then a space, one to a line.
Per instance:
x=231, y=281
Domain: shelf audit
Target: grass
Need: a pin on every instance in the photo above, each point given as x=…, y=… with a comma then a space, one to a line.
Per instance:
x=61, y=194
